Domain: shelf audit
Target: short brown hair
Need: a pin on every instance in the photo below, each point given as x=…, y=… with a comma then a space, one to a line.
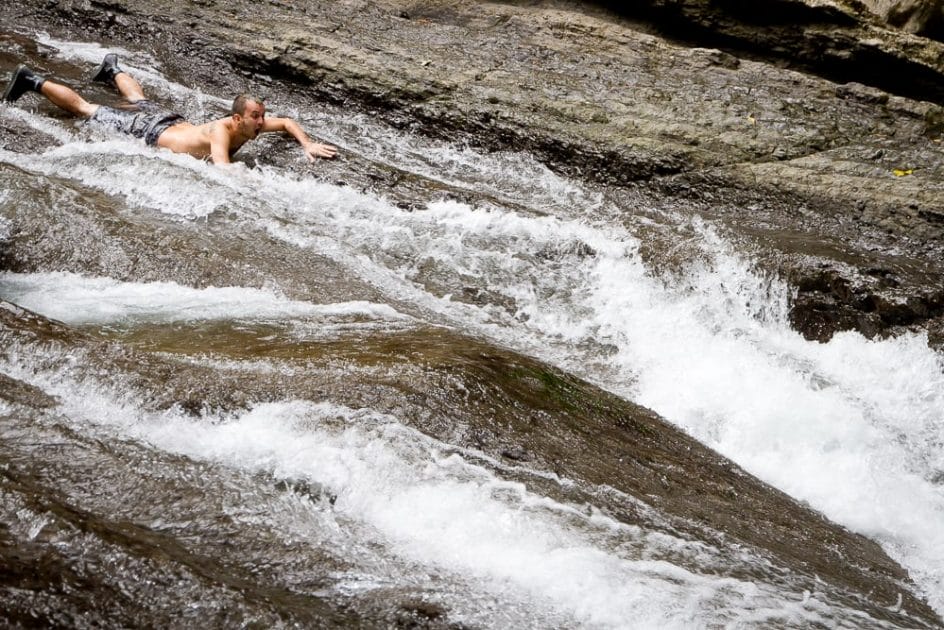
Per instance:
x=239, y=103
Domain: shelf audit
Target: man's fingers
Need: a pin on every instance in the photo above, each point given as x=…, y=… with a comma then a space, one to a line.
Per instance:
x=320, y=150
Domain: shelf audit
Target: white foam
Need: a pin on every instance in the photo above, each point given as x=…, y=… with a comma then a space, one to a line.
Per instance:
x=432, y=506
x=41, y=123
x=854, y=427
x=710, y=349
x=76, y=299
x=170, y=183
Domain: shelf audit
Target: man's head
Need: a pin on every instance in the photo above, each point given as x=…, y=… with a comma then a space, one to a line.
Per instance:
x=249, y=114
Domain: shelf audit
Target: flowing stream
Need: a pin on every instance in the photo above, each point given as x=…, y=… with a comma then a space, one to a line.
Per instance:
x=539, y=264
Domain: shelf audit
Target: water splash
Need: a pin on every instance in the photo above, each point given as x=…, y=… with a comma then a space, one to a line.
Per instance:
x=80, y=300
x=429, y=505
x=854, y=427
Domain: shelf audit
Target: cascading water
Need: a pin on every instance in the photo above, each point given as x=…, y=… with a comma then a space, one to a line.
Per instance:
x=854, y=428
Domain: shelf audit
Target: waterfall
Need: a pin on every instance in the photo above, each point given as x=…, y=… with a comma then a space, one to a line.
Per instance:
x=658, y=308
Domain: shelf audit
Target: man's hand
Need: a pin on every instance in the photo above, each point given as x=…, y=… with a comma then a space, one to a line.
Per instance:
x=314, y=150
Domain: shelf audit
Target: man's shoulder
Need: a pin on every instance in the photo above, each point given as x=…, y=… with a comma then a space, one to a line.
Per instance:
x=215, y=126
x=218, y=122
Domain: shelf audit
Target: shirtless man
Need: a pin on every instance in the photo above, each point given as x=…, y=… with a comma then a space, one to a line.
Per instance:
x=217, y=140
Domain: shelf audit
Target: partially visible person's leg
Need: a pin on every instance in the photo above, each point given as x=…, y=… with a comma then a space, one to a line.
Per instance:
x=25, y=80
x=67, y=99
x=145, y=119
x=128, y=87
x=109, y=72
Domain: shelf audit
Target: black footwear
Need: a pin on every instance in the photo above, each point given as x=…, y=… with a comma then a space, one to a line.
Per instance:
x=22, y=81
x=107, y=70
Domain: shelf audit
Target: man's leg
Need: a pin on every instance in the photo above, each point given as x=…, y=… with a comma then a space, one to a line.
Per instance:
x=109, y=72
x=67, y=99
x=128, y=87
x=25, y=80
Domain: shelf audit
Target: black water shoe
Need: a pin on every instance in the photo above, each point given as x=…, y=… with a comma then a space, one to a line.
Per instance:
x=22, y=81
x=107, y=70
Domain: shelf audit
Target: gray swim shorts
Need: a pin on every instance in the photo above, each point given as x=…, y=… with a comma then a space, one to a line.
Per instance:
x=146, y=120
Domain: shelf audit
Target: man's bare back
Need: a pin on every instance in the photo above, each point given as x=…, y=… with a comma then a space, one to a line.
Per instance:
x=187, y=138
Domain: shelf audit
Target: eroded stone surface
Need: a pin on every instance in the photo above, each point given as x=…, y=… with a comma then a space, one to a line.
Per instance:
x=801, y=167
x=598, y=95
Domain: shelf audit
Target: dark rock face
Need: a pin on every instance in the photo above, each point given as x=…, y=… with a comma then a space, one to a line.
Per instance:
x=839, y=40
x=921, y=17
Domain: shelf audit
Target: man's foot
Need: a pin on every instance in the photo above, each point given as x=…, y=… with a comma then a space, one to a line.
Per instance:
x=107, y=70
x=23, y=80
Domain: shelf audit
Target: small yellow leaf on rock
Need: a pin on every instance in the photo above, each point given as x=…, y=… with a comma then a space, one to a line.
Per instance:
x=899, y=172
x=751, y=119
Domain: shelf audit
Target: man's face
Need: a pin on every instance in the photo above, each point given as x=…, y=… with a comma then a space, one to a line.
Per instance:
x=253, y=118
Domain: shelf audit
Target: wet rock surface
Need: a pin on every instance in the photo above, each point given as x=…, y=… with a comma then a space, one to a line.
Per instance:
x=837, y=186
x=817, y=172
x=500, y=404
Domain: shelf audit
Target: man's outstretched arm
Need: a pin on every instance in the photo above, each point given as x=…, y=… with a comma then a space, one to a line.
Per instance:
x=312, y=149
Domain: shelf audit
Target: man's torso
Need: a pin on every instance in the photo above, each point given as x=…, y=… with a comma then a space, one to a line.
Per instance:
x=165, y=129
x=194, y=140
